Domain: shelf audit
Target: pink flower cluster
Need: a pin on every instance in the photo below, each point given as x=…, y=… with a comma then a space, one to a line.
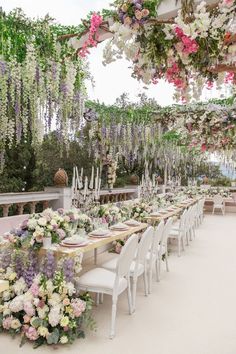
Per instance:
x=230, y=77
x=189, y=45
x=92, y=41
x=173, y=76
x=78, y=307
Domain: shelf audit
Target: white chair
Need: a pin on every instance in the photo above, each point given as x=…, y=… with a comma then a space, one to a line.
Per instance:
x=200, y=211
x=163, y=250
x=139, y=266
x=190, y=223
x=218, y=203
x=153, y=255
x=179, y=232
x=103, y=281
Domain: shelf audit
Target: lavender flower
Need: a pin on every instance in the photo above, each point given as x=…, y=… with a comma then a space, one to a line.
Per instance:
x=68, y=269
x=49, y=265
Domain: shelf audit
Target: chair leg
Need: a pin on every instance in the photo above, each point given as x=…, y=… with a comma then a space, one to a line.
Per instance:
x=157, y=270
x=129, y=297
x=179, y=251
x=166, y=259
x=101, y=298
x=134, y=292
x=150, y=278
x=113, y=317
x=145, y=282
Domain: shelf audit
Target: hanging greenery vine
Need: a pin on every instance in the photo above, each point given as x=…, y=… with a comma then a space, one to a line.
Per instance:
x=41, y=80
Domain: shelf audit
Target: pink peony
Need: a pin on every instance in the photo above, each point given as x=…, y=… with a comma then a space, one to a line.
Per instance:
x=29, y=309
x=78, y=306
x=34, y=289
x=6, y=323
x=179, y=32
x=61, y=233
x=31, y=333
x=228, y=3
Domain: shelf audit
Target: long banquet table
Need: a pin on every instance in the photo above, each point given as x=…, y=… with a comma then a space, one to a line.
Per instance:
x=95, y=243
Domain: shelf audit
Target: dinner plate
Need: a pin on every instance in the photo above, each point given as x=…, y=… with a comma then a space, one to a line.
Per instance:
x=74, y=240
x=100, y=236
x=132, y=223
x=100, y=232
x=82, y=244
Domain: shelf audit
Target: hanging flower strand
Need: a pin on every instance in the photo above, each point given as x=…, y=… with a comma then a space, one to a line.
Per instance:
x=95, y=22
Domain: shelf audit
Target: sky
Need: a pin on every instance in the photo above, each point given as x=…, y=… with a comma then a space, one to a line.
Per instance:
x=111, y=80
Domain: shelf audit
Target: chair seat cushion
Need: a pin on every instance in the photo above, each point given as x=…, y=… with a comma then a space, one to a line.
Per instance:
x=219, y=206
x=111, y=265
x=174, y=233
x=101, y=280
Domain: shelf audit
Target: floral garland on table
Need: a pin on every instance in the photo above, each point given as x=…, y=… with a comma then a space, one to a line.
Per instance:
x=210, y=192
x=43, y=306
x=49, y=224
x=140, y=210
x=108, y=213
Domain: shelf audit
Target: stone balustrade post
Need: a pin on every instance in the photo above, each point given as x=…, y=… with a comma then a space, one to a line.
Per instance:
x=6, y=209
x=65, y=197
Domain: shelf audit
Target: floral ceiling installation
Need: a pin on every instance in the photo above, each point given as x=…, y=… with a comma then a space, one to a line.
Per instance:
x=41, y=80
x=189, y=51
x=210, y=126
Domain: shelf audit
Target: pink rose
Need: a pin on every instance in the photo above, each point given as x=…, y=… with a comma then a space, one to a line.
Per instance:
x=39, y=238
x=31, y=333
x=127, y=21
x=138, y=14
x=26, y=318
x=145, y=12
x=66, y=302
x=6, y=323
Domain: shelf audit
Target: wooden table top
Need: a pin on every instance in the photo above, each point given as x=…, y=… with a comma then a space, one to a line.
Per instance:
x=170, y=213
x=167, y=215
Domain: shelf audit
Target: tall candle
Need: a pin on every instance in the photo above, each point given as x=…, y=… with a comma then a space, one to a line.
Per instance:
x=85, y=187
x=99, y=186
x=92, y=179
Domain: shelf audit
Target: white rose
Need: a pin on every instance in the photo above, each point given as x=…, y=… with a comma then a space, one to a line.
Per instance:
x=63, y=339
x=42, y=221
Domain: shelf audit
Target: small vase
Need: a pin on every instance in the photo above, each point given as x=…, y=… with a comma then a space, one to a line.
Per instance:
x=47, y=242
x=81, y=232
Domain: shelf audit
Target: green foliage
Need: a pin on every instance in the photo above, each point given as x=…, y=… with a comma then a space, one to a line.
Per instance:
x=221, y=182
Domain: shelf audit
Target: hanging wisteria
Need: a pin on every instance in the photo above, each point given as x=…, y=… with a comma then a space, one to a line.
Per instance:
x=41, y=80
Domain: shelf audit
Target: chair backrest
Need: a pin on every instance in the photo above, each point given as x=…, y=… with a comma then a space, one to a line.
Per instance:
x=166, y=231
x=157, y=236
x=183, y=220
x=145, y=244
x=218, y=199
x=126, y=256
